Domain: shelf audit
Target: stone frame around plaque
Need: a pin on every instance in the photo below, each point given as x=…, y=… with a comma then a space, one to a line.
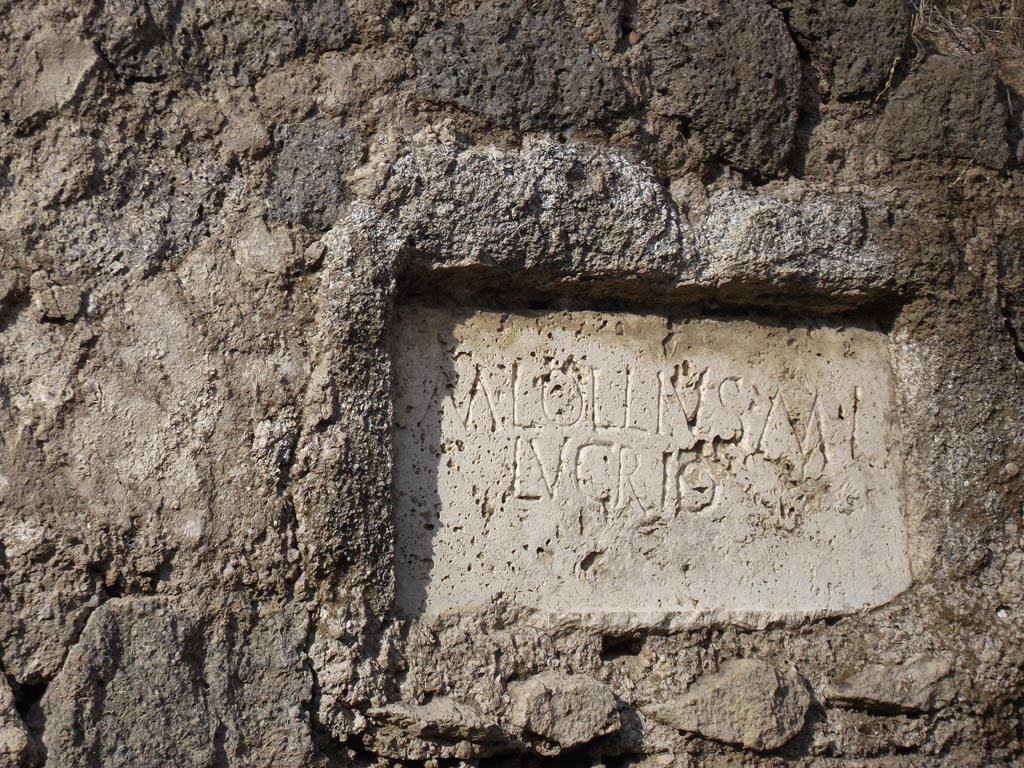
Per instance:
x=556, y=242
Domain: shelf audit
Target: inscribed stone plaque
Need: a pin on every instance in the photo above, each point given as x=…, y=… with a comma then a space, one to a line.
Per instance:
x=641, y=470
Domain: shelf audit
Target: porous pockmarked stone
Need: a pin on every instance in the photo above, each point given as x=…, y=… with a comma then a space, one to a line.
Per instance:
x=634, y=470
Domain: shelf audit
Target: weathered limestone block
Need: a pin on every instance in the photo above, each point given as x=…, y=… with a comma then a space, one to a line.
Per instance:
x=566, y=709
x=508, y=210
x=549, y=209
x=606, y=465
x=922, y=684
x=746, y=702
x=756, y=243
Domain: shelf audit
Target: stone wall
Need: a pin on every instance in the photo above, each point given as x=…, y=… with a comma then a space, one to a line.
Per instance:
x=513, y=383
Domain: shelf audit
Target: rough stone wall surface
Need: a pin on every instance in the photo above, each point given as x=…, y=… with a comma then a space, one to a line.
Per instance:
x=209, y=210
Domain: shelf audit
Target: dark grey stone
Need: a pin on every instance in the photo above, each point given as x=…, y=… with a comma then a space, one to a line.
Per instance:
x=729, y=71
x=950, y=107
x=520, y=64
x=308, y=178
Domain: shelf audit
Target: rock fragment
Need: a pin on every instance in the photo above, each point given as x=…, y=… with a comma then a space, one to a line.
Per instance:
x=854, y=46
x=8, y=286
x=922, y=684
x=16, y=748
x=157, y=682
x=348, y=81
x=441, y=718
x=567, y=709
x=261, y=249
x=235, y=40
x=746, y=702
x=53, y=302
x=47, y=74
x=731, y=71
x=950, y=107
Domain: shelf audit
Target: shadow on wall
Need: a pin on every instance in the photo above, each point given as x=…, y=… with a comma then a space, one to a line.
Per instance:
x=417, y=442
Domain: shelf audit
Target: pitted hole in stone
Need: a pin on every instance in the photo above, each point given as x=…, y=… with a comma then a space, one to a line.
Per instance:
x=27, y=698
x=28, y=703
x=635, y=466
x=589, y=561
x=614, y=647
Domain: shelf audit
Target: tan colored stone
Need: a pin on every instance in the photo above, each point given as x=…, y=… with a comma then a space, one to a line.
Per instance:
x=746, y=702
x=922, y=684
x=260, y=248
x=442, y=718
x=566, y=709
x=16, y=747
x=50, y=72
x=51, y=301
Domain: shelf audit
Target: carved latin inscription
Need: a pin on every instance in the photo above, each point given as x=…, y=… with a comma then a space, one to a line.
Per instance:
x=587, y=463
